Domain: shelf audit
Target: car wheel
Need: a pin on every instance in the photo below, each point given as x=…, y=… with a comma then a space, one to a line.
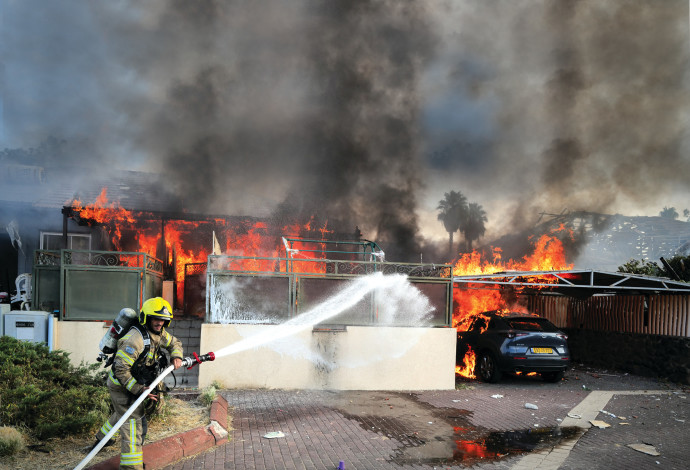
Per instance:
x=487, y=368
x=552, y=377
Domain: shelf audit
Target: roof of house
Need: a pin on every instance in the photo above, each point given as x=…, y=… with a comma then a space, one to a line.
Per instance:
x=57, y=187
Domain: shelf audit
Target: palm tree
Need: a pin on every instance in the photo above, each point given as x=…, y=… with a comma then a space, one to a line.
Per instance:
x=453, y=208
x=473, y=227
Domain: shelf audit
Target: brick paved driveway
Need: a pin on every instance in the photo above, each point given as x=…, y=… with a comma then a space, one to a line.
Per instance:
x=476, y=426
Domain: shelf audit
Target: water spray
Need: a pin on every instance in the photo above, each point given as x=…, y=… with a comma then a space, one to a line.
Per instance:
x=188, y=362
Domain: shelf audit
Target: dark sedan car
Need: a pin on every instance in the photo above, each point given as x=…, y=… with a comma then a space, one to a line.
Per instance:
x=514, y=342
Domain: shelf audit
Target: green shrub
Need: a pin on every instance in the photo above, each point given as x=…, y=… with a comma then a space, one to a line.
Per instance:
x=217, y=384
x=42, y=391
x=208, y=395
x=11, y=441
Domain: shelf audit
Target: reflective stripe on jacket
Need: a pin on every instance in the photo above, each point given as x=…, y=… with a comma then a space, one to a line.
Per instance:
x=130, y=347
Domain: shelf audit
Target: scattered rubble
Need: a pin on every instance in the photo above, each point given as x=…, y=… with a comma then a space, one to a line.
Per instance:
x=645, y=449
x=600, y=424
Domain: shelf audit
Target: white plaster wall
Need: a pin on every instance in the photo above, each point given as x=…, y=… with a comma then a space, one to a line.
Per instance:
x=360, y=358
x=79, y=338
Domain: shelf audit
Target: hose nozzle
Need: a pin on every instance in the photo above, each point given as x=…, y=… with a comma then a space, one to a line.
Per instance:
x=190, y=361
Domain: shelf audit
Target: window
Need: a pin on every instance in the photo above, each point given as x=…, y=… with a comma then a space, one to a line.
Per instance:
x=532, y=324
x=75, y=241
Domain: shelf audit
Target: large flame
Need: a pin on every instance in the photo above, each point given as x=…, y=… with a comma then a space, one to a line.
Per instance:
x=470, y=300
x=188, y=242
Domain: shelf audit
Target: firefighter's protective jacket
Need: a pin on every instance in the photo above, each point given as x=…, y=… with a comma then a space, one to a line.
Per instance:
x=130, y=347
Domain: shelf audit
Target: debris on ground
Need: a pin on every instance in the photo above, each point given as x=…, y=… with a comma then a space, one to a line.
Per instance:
x=274, y=434
x=600, y=424
x=531, y=406
x=496, y=396
x=645, y=449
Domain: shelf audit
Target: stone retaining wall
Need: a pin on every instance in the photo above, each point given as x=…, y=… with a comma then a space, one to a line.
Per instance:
x=666, y=357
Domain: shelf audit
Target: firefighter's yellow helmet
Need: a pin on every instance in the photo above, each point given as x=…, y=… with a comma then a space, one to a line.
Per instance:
x=156, y=307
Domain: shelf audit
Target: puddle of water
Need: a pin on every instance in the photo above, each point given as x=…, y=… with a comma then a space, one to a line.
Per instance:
x=491, y=446
x=528, y=439
x=423, y=434
x=429, y=435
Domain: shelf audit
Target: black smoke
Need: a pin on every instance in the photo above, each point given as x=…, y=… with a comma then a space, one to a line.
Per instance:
x=362, y=112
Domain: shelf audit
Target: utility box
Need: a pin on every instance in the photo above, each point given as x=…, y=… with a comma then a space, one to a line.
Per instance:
x=28, y=326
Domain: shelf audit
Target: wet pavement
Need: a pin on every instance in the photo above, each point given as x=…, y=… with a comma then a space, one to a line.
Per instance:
x=519, y=423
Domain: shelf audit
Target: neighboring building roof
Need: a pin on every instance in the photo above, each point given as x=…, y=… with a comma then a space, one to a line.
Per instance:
x=624, y=238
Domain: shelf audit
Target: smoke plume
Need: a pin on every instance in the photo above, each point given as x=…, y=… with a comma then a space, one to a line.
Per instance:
x=363, y=112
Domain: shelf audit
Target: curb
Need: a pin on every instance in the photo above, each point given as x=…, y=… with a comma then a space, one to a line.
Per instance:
x=171, y=449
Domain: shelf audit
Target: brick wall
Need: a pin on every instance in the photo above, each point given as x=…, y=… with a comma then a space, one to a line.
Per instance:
x=187, y=330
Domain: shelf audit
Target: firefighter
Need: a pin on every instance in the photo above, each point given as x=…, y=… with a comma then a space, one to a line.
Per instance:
x=137, y=363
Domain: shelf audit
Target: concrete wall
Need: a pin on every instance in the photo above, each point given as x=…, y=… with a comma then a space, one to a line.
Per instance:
x=79, y=338
x=357, y=358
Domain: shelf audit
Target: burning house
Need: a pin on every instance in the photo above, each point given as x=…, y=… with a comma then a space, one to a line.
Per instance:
x=243, y=276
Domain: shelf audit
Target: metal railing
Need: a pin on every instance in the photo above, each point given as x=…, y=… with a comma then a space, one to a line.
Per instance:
x=244, y=289
x=93, y=285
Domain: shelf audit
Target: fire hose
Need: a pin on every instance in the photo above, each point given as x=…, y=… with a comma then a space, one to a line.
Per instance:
x=187, y=362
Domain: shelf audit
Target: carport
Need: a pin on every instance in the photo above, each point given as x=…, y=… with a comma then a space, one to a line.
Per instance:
x=635, y=323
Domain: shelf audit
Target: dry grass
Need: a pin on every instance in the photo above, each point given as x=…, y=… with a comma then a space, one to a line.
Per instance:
x=64, y=454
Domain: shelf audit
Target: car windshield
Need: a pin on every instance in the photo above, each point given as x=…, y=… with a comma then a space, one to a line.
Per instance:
x=532, y=324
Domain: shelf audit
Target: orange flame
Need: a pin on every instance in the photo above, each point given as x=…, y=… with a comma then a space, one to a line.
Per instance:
x=467, y=368
x=101, y=212
x=189, y=242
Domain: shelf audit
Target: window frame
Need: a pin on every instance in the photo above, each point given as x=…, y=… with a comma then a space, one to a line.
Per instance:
x=70, y=237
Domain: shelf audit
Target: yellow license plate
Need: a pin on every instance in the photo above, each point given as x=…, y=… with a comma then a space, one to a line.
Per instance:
x=542, y=350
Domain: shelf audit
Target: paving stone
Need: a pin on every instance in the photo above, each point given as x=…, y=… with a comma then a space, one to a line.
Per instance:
x=372, y=430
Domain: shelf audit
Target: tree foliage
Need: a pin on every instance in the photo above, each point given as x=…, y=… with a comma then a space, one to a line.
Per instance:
x=42, y=391
x=669, y=213
x=679, y=264
x=452, y=212
x=473, y=226
x=457, y=215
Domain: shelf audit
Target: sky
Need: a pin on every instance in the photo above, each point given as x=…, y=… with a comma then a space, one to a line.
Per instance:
x=363, y=112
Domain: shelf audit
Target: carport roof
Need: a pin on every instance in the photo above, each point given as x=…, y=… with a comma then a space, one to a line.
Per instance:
x=578, y=282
